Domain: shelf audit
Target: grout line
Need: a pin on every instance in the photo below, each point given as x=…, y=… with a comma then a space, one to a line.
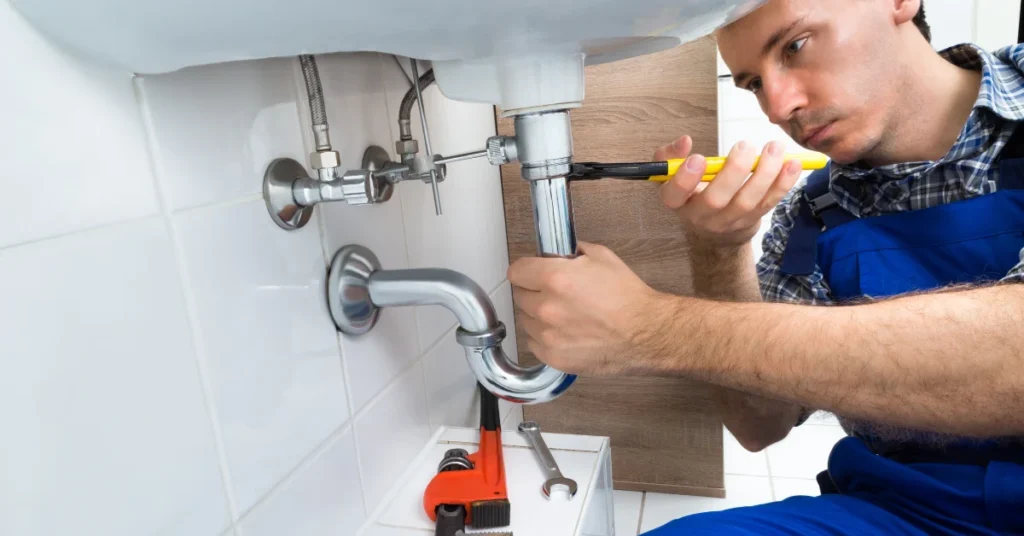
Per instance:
x=303, y=464
x=247, y=198
x=83, y=230
x=380, y=394
x=640, y=520
x=190, y=309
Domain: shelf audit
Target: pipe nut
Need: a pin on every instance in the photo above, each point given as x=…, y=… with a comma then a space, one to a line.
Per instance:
x=407, y=147
x=482, y=339
x=501, y=150
x=324, y=160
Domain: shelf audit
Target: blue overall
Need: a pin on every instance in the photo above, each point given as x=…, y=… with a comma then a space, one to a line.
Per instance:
x=874, y=487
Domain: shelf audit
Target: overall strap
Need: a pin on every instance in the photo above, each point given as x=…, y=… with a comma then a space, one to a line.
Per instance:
x=818, y=210
x=1011, y=162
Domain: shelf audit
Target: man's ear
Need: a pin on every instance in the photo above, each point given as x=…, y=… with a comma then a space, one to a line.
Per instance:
x=904, y=11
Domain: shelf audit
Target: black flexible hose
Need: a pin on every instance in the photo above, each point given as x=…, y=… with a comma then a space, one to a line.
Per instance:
x=405, y=112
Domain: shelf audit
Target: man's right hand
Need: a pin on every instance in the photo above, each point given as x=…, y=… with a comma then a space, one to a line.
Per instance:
x=727, y=211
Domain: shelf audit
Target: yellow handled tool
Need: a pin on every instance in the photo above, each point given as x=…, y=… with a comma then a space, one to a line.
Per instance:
x=664, y=171
x=715, y=164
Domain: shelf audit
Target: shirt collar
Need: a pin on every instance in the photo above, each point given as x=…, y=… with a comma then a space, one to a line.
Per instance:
x=1002, y=84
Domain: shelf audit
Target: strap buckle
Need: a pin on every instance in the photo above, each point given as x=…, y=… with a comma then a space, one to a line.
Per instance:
x=821, y=203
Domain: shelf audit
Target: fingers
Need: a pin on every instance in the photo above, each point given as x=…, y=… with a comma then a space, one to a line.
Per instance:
x=678, y=149
x=748, y=198
x=533, y=273
x=783, y=184
x=677, y=191
x=721, y=191
x=593, y=250
x=530, y=304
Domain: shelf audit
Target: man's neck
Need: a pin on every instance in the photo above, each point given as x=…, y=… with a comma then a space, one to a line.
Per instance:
x=935, y=102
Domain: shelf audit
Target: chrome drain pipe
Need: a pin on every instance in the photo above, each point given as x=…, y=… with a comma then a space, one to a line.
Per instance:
x=358, y=288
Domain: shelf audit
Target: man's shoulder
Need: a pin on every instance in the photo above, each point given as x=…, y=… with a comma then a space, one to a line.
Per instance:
x=1012, y=54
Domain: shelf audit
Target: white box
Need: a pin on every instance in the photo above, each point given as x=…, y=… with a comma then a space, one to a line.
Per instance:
x=585, y=459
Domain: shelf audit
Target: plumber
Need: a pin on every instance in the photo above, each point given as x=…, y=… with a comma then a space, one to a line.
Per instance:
x=888, y=292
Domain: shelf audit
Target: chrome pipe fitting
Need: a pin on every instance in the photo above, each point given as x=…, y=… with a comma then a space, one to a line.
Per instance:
x=290, y=193
x=544, y=144
x=358, y=288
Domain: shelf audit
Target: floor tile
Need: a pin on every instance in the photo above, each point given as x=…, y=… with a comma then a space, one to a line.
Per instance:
x=661, y=508
x=804, y=453
x=791, y=487
x=822, y=418
x=627, y=512
x=740, y=461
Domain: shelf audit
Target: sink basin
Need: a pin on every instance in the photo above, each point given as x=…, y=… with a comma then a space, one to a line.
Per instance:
x=548, y=38
x=158, y=35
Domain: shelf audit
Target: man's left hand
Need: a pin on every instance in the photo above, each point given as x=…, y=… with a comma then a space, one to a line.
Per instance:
x=588, y=315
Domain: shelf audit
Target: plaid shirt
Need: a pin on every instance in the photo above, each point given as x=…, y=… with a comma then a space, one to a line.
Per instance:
x=965, y=172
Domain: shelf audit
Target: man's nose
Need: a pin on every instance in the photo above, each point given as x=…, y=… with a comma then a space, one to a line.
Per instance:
x=783, y=97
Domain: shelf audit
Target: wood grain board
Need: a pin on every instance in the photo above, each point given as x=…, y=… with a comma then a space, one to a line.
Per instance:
x=665, y=434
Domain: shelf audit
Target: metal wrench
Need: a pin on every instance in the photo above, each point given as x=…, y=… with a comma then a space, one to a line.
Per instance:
x=547, y=462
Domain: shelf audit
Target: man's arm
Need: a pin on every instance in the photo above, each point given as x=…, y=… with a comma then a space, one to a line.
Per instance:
x=950, y=362
x=726, y=272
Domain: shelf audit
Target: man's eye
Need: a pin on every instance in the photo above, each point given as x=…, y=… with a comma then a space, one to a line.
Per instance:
x=795, y=46
x=754, y=86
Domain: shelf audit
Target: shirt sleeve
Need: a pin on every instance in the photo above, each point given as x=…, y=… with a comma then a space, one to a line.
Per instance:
x=777, y=286
x=1016, y=275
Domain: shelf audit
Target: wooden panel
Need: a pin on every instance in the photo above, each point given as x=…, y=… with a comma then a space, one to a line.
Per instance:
x=665, y=434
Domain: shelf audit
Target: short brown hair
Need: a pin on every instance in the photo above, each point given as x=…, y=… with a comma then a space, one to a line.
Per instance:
x=922, y=24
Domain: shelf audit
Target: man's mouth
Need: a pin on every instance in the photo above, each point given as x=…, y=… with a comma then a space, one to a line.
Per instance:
x=814, y=137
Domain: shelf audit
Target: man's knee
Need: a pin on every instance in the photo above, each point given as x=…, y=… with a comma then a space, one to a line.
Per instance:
x=735, y=522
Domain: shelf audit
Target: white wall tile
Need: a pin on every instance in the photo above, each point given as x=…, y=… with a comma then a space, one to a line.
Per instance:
x=470, y=236
x=735, y=103
x=217, y=127
x=740, y=461
x=660, y=508
x=951, y=21
x=73, y=125
x=758, y=131
x=105, y=426
x=452, y=394
x=513, y=419
x=389, y=434
x=996, y=24
x=627, y=512
x=325, y=497
x=356, y=106
x=785, y=488
x=268, y=341
x=804, y=452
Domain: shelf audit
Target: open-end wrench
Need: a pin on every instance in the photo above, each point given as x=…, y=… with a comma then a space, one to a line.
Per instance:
x=547, y=462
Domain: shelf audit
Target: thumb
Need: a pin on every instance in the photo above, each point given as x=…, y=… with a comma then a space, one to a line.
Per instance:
x=677, y=191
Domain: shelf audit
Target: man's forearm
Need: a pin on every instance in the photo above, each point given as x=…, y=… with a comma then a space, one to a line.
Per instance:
x=727, y=274
x=948, y=362
x=724, y=274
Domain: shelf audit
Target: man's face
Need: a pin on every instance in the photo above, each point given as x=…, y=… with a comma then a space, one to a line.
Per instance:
x=826, y=71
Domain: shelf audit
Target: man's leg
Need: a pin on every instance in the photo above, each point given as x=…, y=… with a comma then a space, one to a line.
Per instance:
x=838, y=515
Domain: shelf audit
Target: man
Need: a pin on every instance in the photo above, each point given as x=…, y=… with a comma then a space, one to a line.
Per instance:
x=887, y=290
